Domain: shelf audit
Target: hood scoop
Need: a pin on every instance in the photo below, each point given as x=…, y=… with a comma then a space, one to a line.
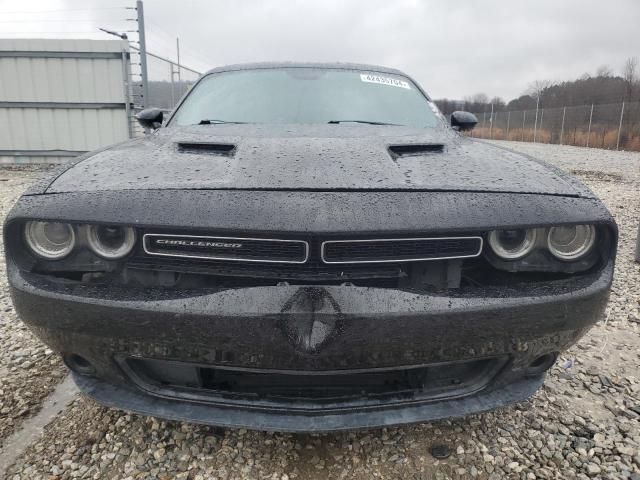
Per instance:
x=224, y=149
x=415, y=149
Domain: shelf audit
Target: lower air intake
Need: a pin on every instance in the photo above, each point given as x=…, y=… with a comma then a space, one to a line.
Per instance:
x=202, y=382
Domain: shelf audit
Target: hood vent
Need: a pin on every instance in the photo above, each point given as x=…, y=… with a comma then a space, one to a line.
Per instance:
x=411, y=150
x=226, y=149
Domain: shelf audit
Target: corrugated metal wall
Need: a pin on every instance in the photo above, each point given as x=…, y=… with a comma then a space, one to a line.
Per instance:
x=59, y=98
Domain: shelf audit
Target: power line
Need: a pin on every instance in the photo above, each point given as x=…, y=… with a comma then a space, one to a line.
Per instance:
x=62, y=20
x=156, y=39
x=44, y=32
x=32, y=12
x=169, y=46
x=87, y=26
x=157, y=30
x=168, y=61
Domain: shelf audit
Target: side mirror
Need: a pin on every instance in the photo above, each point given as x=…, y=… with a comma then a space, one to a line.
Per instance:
x=150, y=118
x=463, y=121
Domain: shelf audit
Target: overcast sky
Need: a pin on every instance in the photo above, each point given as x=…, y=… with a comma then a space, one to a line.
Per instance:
x=453, y=48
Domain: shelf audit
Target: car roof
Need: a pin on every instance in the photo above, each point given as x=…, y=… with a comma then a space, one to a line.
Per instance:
x=333, y=65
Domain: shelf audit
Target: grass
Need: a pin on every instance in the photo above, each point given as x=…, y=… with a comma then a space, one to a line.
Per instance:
x=598, y=138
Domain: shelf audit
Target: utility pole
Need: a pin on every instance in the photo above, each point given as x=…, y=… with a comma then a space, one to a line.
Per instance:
x=590, y=118
x=491, y=123
x=618, y=140
x=178, y=53
x=143, y=54
x=535, y=125
x=175, y=72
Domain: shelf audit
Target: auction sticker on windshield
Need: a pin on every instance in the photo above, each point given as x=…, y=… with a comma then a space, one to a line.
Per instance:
x=394, y=82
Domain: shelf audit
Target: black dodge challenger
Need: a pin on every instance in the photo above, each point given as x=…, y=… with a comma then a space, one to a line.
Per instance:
x=308, y=247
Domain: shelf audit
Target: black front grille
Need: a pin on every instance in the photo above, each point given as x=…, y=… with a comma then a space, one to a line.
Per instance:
x=400, y=250
x=228, y=261
x=226, y=248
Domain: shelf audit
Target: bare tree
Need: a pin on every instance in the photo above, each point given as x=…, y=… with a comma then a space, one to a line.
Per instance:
x=476, y=103
x=498, y=103
x=630, y=76
x=604, y=71
x=478, y=98
x=536, y=89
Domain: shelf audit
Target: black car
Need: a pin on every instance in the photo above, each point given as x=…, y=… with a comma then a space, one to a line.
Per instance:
x=309, y=247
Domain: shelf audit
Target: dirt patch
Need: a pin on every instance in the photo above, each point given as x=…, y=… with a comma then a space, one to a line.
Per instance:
x=598, y=176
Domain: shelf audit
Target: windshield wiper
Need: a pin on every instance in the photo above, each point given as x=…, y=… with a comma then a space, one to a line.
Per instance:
x=362, y=121
x=213, y=121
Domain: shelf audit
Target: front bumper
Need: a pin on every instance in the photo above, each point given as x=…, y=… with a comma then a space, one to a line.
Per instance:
x=308, y=329
x=135, y=401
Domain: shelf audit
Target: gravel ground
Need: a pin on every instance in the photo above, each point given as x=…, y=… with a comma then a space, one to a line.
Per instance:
x=587, y=163
x=584, y=423
x=28, y=370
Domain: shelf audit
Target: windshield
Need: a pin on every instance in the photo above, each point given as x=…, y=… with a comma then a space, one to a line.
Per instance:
x=306, y=95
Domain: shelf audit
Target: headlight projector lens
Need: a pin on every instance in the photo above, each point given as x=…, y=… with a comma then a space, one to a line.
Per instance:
x=512, y=244
x=50, y=240
x=111, y=242
x=571, y=242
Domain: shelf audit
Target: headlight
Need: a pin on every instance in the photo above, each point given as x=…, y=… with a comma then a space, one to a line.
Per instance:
x=111, y=242
x=512, y=244
x=50, y=240
x=571, y=242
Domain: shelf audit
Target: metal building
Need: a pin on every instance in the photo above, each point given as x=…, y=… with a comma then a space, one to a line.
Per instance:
x=60, y=98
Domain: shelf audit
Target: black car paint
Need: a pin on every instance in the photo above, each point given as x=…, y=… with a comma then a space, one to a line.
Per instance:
x=268, y=212
x=315, y=157
x=299, y=182
x=251, y=328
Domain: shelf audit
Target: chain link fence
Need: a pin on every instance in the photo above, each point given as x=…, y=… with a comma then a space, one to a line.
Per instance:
x=611, y=126
x=167, y=82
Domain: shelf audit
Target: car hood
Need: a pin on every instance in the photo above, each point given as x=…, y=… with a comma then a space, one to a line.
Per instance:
x=342, y=157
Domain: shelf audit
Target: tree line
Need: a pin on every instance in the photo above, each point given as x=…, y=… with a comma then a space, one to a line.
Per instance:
x=603, y=87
